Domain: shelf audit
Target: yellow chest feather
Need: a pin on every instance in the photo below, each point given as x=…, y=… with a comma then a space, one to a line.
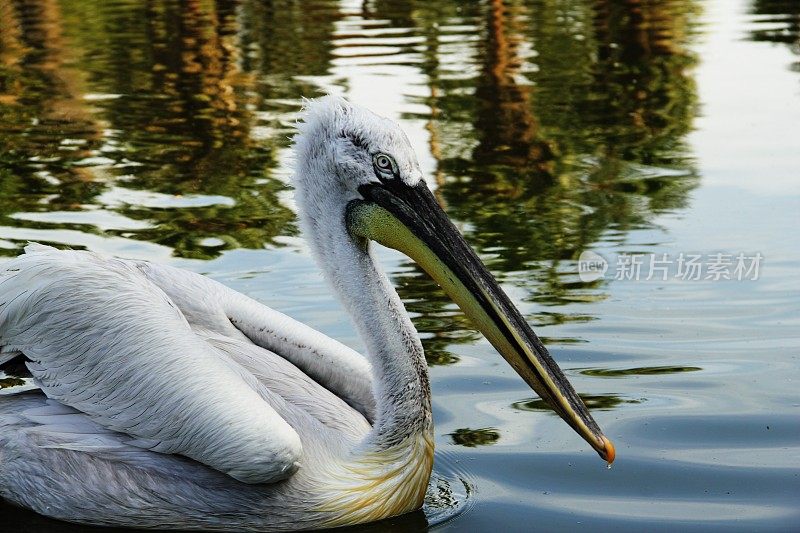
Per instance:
x=378, y=485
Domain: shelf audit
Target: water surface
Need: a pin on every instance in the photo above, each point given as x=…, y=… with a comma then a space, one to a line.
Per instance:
x=657, y=130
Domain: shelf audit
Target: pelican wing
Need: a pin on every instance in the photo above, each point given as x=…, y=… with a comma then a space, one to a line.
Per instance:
x=101, y=478
x=103, y=339
x=45, y=423
x=211, y=306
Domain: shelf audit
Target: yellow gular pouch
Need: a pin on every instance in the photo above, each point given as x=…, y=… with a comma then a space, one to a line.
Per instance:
x=379, y=485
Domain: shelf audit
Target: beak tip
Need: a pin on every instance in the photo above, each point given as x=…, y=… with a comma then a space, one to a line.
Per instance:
x=608, y=453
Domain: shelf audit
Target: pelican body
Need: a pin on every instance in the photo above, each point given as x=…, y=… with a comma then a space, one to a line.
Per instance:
x=165, y=400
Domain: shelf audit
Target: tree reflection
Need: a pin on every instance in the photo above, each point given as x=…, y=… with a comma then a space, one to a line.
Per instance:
x=472, y=438
x=184, y=116
x=638, y=371
x=184, y=98
x=510, y=153
x=648, y=98
x=778, y=22
x=46, y=129
x=595, y=402
x=285, y=41
x=577, y=121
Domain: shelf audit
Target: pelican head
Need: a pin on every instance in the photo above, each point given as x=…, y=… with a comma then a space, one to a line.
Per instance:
x=358, y=180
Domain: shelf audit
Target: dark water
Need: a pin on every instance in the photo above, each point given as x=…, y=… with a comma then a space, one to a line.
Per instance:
x=549, y=128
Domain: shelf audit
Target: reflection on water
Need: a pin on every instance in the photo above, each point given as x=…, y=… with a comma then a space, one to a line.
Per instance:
x=639, y=371
x=780, y=23
x=8, y=382
x=14, y=376
x=592, y=401
x=538, y=173
x=160, y=129
x=474, y=437
x=154, y=100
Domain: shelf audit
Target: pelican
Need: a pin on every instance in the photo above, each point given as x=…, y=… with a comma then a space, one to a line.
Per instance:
x=165, y=400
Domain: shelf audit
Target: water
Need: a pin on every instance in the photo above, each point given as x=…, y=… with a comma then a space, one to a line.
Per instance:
x=160, y=130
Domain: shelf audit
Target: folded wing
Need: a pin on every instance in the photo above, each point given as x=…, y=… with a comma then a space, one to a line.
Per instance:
x=211, y=306
x=103, y=339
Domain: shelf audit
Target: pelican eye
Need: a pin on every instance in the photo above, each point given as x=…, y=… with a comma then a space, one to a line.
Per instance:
x=384, y=163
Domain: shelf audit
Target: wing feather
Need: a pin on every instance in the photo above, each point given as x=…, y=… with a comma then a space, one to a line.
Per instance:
x=290, y=383
x=212, y=306
x=103, y=339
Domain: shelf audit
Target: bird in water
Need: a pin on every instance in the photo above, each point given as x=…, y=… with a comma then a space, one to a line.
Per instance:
x=164, y=399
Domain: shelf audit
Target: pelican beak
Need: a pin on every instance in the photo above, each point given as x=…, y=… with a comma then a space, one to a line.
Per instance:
x=408, y=218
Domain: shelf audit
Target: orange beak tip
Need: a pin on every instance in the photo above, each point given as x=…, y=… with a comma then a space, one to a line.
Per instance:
x=609, y=452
